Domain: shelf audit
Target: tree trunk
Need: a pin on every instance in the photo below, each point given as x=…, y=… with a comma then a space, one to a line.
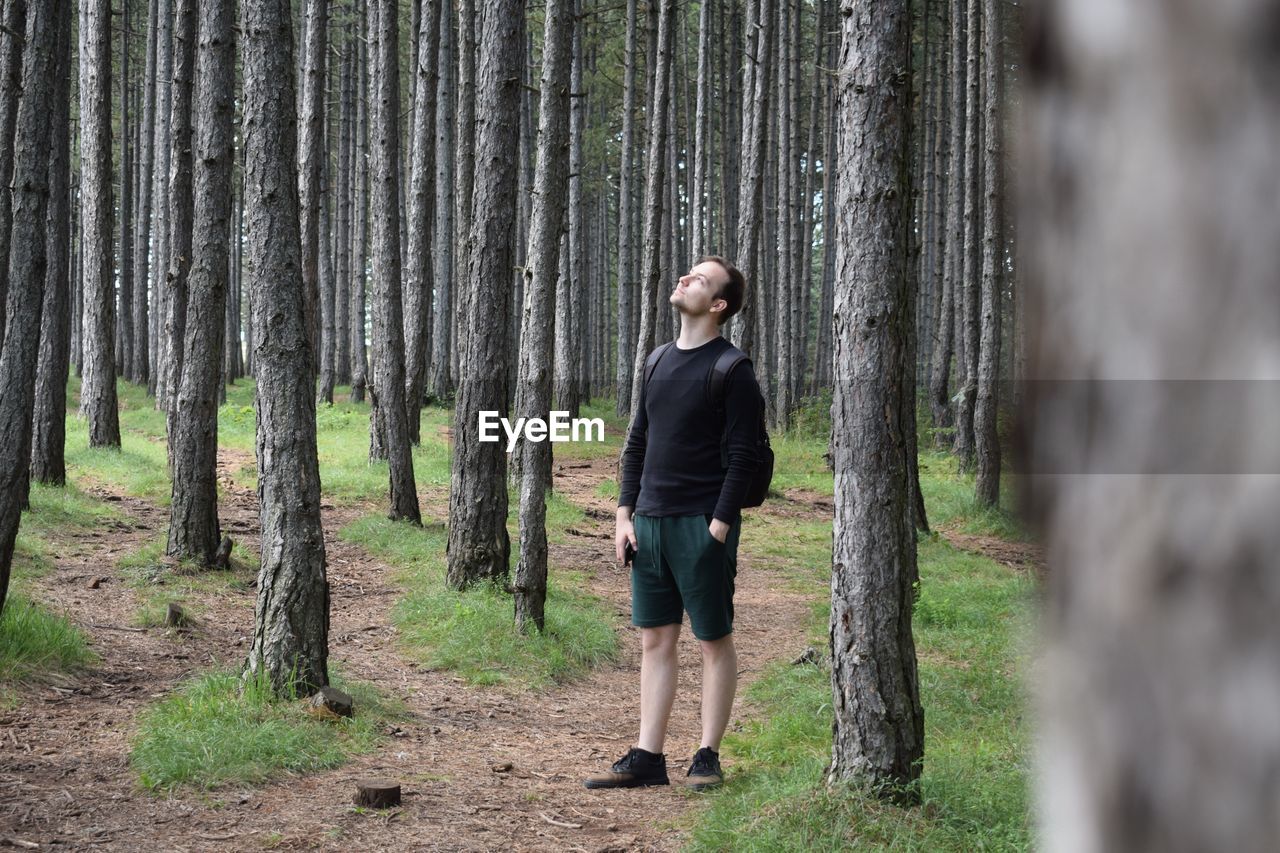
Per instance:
x=442, y=340
x=389, y=423
x=783, y=293
x=568, y=302
x=655, y=171
x=48, y=441
x=422, y=200
x=124, y=310
x=1161, y=658
x=464, y=152
x=966, y=298
x=11, y=41
x=479, y=547
x=140, y=366
x=159, y=263
x=98, y=388
x=346, y=161
x=986, y=439
x=533, y=393
x=311, y=151
x=291, y=618
x=360, y=229
x=41, y=66
x=627, y=285
x=879, y=723
x=193, y=513
x=181, y=206
x=328, y=290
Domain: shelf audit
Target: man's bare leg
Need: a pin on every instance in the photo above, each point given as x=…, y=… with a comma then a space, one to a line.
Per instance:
x=659, y=663
x=719, y=684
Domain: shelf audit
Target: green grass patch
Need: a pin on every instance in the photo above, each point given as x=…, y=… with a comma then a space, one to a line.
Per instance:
x=219, y=730
x=36, y=645
x=473, y=632
x=160, y=580
x=948, y=496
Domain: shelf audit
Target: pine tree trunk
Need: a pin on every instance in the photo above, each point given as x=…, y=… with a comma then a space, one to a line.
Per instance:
x=193, y=513
x=442, y=339
x=11, y=41
x=655, y=171
x=48, y=434
x=360, y=215
x=310, y=153
x=291, y=618
x=533, y=392
x=140, y=367
x=966, y=298
x=422, y=200
x=879, y=723
x=568, y=301
x=124, y=309
x=479, y=547
x=389, y=422
x=465, y=144
x=98, y=388
x=627, y=285
x=1151, y=260
x=27, y=263
x=783, y=290
x=342, y=266
x=699, y=208
x=328, y=290
x=159, y=263
x=986, y=439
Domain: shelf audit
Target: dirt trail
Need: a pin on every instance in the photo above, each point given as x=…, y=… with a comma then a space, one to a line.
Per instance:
x=481, y=768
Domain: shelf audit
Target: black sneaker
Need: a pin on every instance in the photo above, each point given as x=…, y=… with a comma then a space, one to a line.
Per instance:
x=704, y=770
x=637, y=769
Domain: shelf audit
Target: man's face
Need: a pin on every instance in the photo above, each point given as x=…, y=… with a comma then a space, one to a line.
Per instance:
x=695, y=291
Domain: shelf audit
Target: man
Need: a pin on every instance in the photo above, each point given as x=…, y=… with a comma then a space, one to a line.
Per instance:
x=678, y=508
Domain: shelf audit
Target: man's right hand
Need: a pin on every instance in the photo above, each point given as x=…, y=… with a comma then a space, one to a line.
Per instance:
x=625, y=532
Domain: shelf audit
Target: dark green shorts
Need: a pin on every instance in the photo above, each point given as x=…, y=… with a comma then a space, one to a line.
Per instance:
x=680, y=566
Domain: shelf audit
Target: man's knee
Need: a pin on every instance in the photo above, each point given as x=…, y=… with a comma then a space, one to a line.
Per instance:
x=719, y=649
x=660, y=640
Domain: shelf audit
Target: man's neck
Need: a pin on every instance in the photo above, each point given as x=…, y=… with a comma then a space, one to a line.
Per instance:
x=696, y=331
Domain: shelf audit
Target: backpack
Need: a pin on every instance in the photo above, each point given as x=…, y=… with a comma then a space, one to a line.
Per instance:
x=758, y=489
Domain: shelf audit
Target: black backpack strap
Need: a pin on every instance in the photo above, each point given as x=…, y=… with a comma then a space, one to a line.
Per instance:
x=651, y=363
x=728, y=360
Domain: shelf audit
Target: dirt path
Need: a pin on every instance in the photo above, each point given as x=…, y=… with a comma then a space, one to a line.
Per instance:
x=481, y=768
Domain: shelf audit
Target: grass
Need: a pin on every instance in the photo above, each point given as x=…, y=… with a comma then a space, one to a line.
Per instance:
x=473, y=632
x=971, y=624
x=158, y=580
x=218, y=730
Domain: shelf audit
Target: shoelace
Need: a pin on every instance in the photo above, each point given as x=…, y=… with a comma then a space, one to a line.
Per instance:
x=627, y=762
x=703, y=760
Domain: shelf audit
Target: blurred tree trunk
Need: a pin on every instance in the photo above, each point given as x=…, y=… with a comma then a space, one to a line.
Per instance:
x=193, y=512
x=1151, y=260
x=479, y=547
x=98, y=390
x=879, y=724
x=533, y=393
x=291, y=617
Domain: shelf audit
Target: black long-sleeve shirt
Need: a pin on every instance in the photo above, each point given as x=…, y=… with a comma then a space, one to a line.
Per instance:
x=672, y=463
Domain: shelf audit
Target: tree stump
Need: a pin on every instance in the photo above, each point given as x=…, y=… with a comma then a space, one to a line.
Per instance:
x=175, y=616
x=377, y=794
x=222, y=559
x=331, y=703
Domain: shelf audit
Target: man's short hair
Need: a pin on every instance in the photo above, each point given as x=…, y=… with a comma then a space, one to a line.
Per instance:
x=734, y=290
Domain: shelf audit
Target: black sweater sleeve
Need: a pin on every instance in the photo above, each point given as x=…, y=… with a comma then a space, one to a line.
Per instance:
x=742, y=426
x=633, y=456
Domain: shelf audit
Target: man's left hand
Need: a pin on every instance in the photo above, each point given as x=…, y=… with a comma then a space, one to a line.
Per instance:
x=719, y=530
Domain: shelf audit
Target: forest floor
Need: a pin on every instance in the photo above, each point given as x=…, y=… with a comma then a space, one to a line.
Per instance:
x=481, y=768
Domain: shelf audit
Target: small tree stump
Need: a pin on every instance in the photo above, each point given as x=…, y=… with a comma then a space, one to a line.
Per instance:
x=377, y=794
x=175, y=616
x=222, y=559
x=331, y=703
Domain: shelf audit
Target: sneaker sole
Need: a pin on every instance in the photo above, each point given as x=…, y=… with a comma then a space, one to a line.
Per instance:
x=637, y=783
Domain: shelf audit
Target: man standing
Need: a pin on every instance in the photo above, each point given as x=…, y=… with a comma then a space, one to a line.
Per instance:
x=688, y=463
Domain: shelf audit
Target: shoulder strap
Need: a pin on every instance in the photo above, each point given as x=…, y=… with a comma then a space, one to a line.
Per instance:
x=651, y=363
x=719, y=374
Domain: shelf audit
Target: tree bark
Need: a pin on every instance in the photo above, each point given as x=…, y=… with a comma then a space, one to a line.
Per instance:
x=159, y=262
x=986, y=439
x=479, y=547
x=11, y=42
x=124, y=310
x=48, y=436
x=389, y=426
x=360, y=229
x=568, y=297
x=193, y=513
x=1157, y=493
x=291, y=618
x=346, y=161
x=27, y=264
x=879, y=724
x=966, y=298
x=422, y=201
x=140, y=366
x=311, y=151
x=627, y=284
x=98, y=388
x=442, y=339
x=465, y=144
x=533, y=393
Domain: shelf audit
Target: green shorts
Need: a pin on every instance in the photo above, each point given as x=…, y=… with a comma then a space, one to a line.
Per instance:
x=680, y=566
